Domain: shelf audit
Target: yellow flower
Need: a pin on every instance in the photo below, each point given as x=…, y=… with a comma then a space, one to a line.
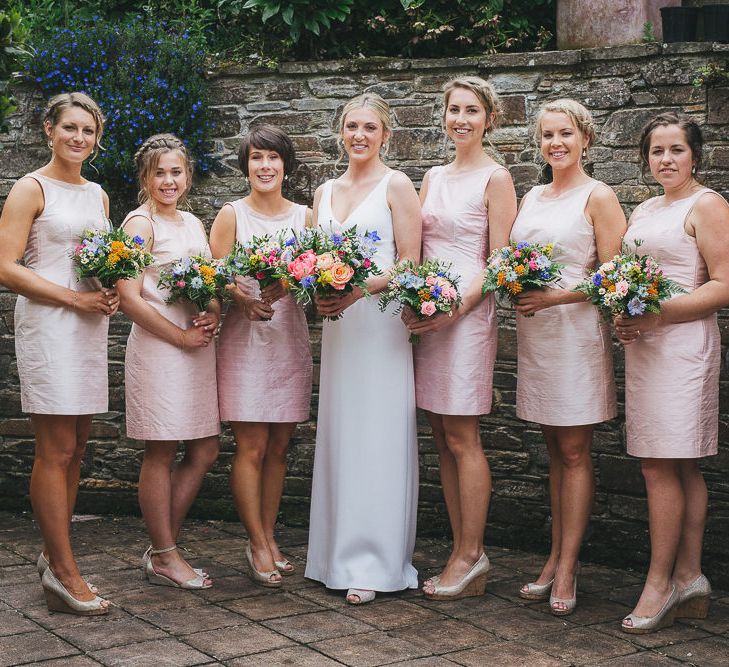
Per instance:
x=548, y=248
x=424, y=295
x=208, y=274
x=514, y=287
x=117, y=247
x=325, y=278
x=112, y=259
x=519, y=269
x=501, y=278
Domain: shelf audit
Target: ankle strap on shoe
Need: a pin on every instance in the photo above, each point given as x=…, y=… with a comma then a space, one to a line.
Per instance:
x=155, y=552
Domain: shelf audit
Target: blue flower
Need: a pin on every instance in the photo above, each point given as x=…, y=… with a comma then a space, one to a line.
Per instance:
x=138, y=240
x=544, y=275
x=521, y=245
x=336, y=239
x=636, y=306
x=307, y=281
x=373, y=236
x=435, y=291
x=597, y=279
x=290, y=241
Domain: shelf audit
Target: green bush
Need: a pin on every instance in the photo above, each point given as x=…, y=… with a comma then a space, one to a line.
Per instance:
x=146, y=77
x=13, y=34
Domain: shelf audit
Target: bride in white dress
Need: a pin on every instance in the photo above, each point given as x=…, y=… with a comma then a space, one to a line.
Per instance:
x=365, y=484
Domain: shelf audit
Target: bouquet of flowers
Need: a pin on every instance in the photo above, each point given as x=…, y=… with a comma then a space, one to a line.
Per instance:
x=323, y=264
x=519, y=267
x=427, y=288
x=261, y=258
x=629, y=284
x=110, y=256
x=196, y=279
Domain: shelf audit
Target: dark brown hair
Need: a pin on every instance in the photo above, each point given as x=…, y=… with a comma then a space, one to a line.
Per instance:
x=270, y=138
x=691, y=130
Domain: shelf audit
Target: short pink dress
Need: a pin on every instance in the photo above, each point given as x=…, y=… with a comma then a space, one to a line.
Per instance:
x=264, y=367
x=171, y=394
x=564, y=358
x=62, y=353
x=672, y=373
x=454, y=366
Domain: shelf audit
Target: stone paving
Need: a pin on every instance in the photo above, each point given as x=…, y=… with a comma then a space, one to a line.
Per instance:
x=303, y=624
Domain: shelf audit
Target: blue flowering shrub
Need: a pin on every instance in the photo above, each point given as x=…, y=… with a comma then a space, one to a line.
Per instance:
x=146, y=77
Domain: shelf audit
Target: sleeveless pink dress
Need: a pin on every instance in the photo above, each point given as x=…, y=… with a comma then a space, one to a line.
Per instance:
x=672, y=373
x=564, y=364
x=171, y=394
x=62, y=353
x=454, y=367
x=264, y=368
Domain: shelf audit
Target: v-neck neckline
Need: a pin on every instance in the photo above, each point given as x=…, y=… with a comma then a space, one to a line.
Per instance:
x=356, y=208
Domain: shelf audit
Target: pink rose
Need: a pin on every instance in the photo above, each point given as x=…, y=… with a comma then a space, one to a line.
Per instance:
x=341, y=275
x=324, y=261
x=427, y=308
x=367, y=263
x=532, y=265
x=303, y=265
x=260, y=275
x=517, y=253
x=430, y=280
x=180, y=283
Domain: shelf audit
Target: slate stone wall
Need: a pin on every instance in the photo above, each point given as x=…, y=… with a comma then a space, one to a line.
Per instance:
x=624, y=86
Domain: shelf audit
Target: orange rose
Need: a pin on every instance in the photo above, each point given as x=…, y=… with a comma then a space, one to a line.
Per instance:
x=341, y=274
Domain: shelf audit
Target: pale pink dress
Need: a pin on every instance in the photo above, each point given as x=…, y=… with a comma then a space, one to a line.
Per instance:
x=564, y=363
x=61, y=352
x=454, y=366
x=171, y=394
x=264, y=367
x=672, y=373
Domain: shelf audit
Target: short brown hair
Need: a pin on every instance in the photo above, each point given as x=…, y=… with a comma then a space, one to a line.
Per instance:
x=691, y=129
x=270, y=138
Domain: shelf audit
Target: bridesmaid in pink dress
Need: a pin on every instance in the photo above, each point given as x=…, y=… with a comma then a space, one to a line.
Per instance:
x=171, y=392
x=469, y=206
x=264, y=359
x=672, y=363
x=61, y=325
x=565, y=373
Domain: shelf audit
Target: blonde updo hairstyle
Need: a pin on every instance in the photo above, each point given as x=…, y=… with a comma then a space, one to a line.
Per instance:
x=146, y=160
x=484, y=91
x=579, y=115
x=376, y=104
x=59, y=103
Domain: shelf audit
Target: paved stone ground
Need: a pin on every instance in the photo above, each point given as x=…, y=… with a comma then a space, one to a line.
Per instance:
x=239, y=623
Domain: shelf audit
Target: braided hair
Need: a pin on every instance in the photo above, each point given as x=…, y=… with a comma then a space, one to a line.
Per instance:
x=147, y=158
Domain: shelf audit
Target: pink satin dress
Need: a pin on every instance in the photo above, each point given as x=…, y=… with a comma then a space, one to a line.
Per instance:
x=171, y=393
x=454, y=366
x=672, y=373
x=564, y=358
x=264, y=367
x=61, y=352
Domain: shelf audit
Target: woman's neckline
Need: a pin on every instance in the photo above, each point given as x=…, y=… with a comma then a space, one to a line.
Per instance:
x=60, y=181
x=565, y=192
x=262, y=214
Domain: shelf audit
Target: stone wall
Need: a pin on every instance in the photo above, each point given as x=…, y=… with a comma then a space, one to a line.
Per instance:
x=624, y=86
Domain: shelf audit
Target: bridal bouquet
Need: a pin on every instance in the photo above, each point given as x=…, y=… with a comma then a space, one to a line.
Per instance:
x=427, y=288
x=629, y=284
x=110, y=256
x=263, y=258
x=195, y=278
x=325, y=264
x=519, y=267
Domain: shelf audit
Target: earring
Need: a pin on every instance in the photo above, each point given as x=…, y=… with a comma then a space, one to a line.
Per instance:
x=693, y=169
x=584, y=152
x=50, y=144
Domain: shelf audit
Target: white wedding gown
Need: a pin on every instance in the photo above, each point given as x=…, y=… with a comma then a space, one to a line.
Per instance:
x=365, y=485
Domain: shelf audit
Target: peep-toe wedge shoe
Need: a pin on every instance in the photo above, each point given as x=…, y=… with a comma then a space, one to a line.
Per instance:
x=694, y=600
x=43, y=565
x=536, y=591
x=643, y=625
x=262, y=578
x=198, y=582
x=59, y=599
x=472, y=584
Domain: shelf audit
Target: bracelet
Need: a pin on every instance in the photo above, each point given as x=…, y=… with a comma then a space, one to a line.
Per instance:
x=182, y=340
x=74, y=303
